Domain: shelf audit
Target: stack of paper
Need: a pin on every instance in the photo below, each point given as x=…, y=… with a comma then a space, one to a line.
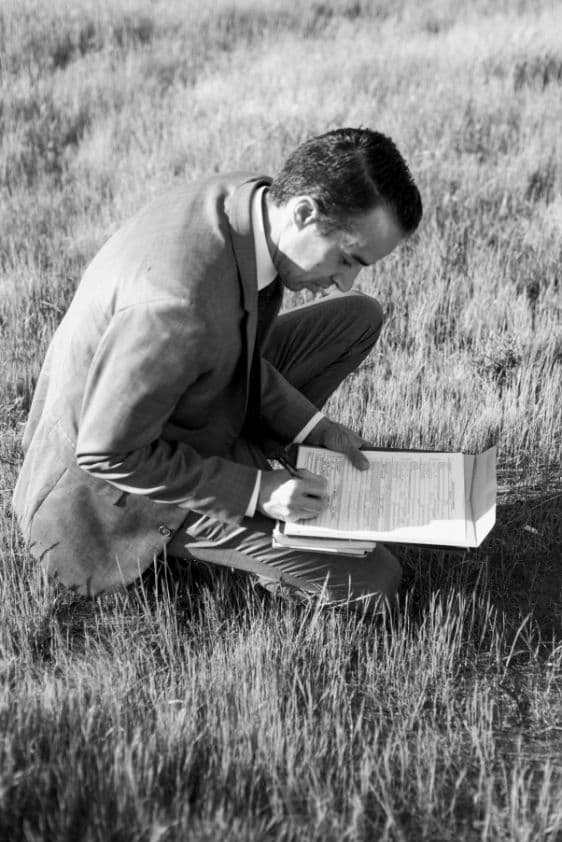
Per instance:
x=325, y=545
x=411, y=497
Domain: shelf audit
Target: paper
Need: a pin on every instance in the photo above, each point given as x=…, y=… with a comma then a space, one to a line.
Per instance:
x=316, y=544
x=404, y=496
x=483, y=494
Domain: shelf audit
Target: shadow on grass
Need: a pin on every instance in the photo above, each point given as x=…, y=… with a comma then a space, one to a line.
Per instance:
x=188, y=589
x=519, y=565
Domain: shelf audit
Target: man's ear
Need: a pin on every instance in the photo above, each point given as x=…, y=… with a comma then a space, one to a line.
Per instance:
x=305, y=211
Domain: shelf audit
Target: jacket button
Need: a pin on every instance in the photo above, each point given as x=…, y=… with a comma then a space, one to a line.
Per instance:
x=165, y=531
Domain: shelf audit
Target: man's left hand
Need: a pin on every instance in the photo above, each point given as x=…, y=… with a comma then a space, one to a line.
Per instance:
x=334, y=436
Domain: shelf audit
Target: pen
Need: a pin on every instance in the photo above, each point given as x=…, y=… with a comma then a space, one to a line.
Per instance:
x=287, y=465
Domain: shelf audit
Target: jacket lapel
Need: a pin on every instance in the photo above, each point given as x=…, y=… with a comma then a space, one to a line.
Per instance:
x=239, y=213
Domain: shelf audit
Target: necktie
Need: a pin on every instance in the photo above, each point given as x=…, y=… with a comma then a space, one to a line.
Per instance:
x=269, y=301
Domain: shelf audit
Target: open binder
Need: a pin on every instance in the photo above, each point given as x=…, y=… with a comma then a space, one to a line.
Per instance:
x=411, y=497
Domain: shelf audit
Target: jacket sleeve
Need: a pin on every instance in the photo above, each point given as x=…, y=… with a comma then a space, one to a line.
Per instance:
x=147, y=358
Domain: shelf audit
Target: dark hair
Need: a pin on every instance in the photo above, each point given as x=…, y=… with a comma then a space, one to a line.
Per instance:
x=349, y=172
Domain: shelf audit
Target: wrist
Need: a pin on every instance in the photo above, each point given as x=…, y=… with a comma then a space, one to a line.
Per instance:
x=317, y=434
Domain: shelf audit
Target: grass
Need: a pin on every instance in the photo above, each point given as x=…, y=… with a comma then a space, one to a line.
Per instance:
x=192, y=706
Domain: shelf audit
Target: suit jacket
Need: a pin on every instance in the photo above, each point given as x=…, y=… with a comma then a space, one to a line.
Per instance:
x=145, y=387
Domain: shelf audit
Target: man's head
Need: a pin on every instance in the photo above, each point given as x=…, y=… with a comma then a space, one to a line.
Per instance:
x=341, y=201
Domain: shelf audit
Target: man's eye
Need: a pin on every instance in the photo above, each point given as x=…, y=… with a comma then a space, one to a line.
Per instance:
x=345, y=261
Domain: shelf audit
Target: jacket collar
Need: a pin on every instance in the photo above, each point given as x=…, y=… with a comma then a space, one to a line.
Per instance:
x=239, y=213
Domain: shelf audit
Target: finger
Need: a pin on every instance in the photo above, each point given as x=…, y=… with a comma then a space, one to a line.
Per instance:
x=358, y=441
x=349, y=435
x=311, y=484
x=313, y=504
x=357, y=459
x=347, y=440
x=310, y=508
x=306, y=502
x=365, y=442
x=305, y=515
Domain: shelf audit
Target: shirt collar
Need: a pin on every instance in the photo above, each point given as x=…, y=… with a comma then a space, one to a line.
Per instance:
x=265, y=270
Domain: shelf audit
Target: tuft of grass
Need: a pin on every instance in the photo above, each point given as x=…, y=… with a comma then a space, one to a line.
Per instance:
x=193, y=709
x=538, y=71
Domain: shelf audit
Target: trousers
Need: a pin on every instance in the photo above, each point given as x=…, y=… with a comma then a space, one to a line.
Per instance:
x=315, y=347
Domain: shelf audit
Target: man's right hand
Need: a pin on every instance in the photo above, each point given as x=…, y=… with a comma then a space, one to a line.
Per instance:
x=283, y=497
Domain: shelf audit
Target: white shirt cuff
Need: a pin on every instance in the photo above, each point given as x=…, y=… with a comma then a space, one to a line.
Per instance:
x=308, y=427
x=251, y=510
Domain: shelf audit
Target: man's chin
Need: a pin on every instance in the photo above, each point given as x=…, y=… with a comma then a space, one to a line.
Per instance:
x=296, y=285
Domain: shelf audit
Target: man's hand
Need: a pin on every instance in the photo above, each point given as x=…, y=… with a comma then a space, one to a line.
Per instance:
x=283, y=497
x=338, y=437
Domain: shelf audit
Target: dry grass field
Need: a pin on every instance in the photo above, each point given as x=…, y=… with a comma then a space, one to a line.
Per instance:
x=193, y=707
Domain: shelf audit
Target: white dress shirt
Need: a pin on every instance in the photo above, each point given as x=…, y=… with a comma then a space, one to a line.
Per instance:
x=266, y=274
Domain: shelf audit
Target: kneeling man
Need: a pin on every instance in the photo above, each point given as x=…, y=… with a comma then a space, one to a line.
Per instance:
x=172, y=380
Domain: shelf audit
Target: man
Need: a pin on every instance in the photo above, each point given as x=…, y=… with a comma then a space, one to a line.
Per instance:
x=171, y=378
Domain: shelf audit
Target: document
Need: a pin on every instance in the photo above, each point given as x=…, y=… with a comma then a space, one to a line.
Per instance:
x=404, y=496
x=341, y=546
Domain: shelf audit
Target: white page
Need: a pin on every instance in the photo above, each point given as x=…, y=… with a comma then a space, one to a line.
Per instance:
x=409, y=497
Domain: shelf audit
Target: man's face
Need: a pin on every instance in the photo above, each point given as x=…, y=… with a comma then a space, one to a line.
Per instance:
x=307, y=258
